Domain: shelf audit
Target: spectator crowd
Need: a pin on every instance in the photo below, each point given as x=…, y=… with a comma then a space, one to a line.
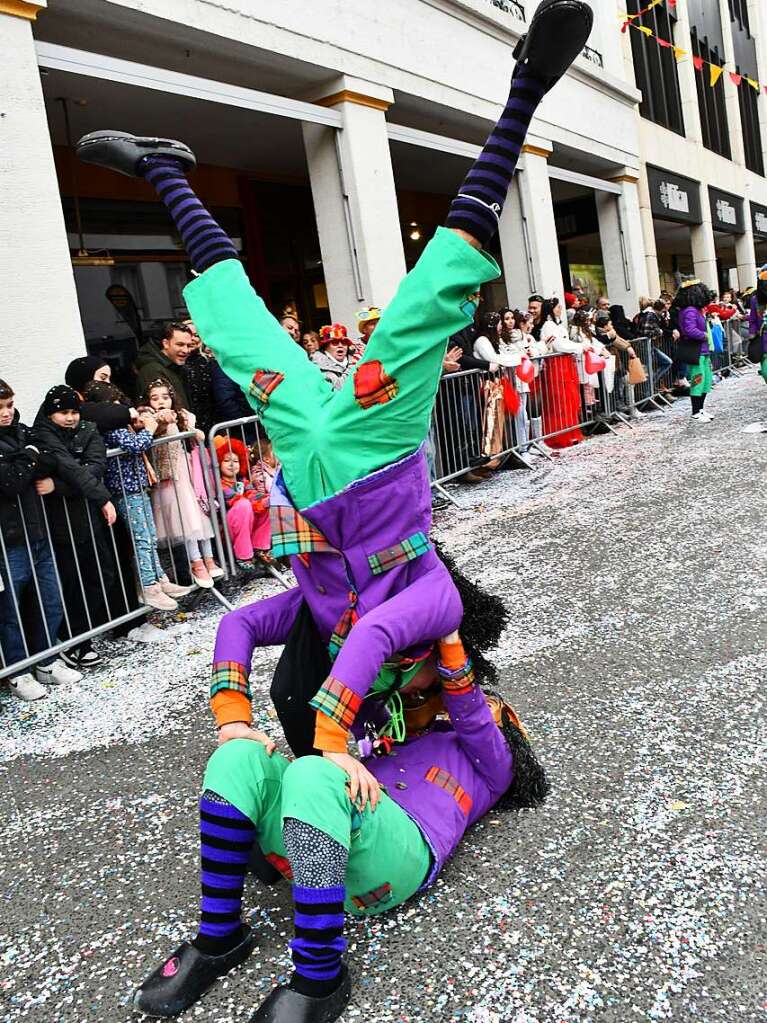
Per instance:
x=102, y=480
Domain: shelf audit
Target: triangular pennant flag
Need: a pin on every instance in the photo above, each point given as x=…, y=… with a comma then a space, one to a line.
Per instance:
x=679, y=53
x=664, y=43
x=698, y=63
x=735, y=78
x=753, y=84
x=644, y=30
x=625, y=25
x=715, y=74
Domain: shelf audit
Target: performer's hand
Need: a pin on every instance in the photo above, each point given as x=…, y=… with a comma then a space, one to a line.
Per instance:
x=363, y=785
x=239, y=730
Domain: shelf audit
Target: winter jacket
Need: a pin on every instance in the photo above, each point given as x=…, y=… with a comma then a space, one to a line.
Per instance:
x=334, y=372
x=153, y=364
x=80, y=463
x=199, y=386
x=229, y=400
x=694, y=340
x=20, y=466
x=127, y=472
x=464, y=340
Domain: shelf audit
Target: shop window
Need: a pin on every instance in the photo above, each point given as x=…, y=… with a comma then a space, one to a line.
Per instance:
x=711, y=101
x=655, y=68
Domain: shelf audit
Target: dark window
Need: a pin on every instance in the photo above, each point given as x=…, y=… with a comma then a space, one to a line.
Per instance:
x=711, y=102
x=655, y=68
x=749, y=118
x=739, y=13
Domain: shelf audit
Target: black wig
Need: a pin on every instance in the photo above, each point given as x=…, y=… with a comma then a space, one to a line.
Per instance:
x=695, y=294
x=484, y=618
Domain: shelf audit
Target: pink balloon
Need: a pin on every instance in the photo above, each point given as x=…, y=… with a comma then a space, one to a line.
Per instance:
x=593, y=363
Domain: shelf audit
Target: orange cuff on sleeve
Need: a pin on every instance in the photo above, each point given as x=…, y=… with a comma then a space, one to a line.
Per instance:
x=452, y=655
x=329, y=736
x=229, y=706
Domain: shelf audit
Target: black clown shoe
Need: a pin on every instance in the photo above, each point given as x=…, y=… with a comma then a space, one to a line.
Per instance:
x=122, y=152
x=284, y=1005
x=186, y=976
x=558, y=31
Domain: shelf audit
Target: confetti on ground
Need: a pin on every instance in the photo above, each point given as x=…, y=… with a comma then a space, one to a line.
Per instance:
x=636, y=571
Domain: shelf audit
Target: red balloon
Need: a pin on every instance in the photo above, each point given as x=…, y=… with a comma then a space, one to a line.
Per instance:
x=526, y=371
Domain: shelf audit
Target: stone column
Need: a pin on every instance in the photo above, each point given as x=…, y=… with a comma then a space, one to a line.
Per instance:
x=42, y=329
x=648, y=235
x=527, y=231
x=620, y=233
x=745, y=253
x=704, y=248
x=355, y=201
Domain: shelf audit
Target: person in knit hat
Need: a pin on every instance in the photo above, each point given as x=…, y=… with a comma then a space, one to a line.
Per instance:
x=247, y=508
x=333, y=357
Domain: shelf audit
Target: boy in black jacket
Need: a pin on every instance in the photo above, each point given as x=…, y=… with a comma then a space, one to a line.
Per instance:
x=78, y=504
x=26, y=560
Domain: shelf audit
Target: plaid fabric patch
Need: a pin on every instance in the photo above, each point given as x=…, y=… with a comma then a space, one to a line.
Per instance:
x=446, y=781
x=293, y=534
x=337, y=701
x=229, y=675
x=263, y=383
x=373, y=385
x=399, y=554
x=348, y=619
x=461, y=680
x=377, y=897
x=281, y=864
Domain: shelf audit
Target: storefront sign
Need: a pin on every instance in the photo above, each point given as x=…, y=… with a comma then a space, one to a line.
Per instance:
x=726, y=211
x=759, y=220
x=673, y=197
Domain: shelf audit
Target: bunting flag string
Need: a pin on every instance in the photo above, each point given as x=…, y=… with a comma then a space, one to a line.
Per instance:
x=715, y=71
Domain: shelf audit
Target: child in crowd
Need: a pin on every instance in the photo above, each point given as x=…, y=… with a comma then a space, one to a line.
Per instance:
x=247, y=506
x=264, y=465
x=26, y=559
x=517, y=342
x=129, y=478
x=177, y=513
x=79, y=509
x=310, y=342
x=593, y=356
x=333, y=358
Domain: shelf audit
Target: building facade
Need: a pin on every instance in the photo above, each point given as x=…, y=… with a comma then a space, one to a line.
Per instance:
x=330, y=138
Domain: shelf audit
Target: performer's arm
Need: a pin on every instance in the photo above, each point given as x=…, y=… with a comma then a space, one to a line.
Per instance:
x=263, y=623
x=471, y=717
x=428, y=608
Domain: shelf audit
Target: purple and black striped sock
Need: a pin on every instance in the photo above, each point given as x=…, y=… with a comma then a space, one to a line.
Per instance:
x=319, y=943
x=205, y=241
x=477, y=207
x=226, y=841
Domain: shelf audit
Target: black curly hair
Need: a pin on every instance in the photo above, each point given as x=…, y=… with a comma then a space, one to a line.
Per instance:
x=697, y=295
x=485, y=616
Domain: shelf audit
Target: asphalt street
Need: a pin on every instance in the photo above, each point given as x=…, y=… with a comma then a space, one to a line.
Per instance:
x=636, y=572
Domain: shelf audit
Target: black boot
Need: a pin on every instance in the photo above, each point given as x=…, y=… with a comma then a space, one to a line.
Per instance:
x=558, y=31
x=186, y=976
x=122, y=152
x=284, y=1005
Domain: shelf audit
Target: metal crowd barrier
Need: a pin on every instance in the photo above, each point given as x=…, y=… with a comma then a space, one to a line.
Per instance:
x=74, y=577
x=247, y=432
